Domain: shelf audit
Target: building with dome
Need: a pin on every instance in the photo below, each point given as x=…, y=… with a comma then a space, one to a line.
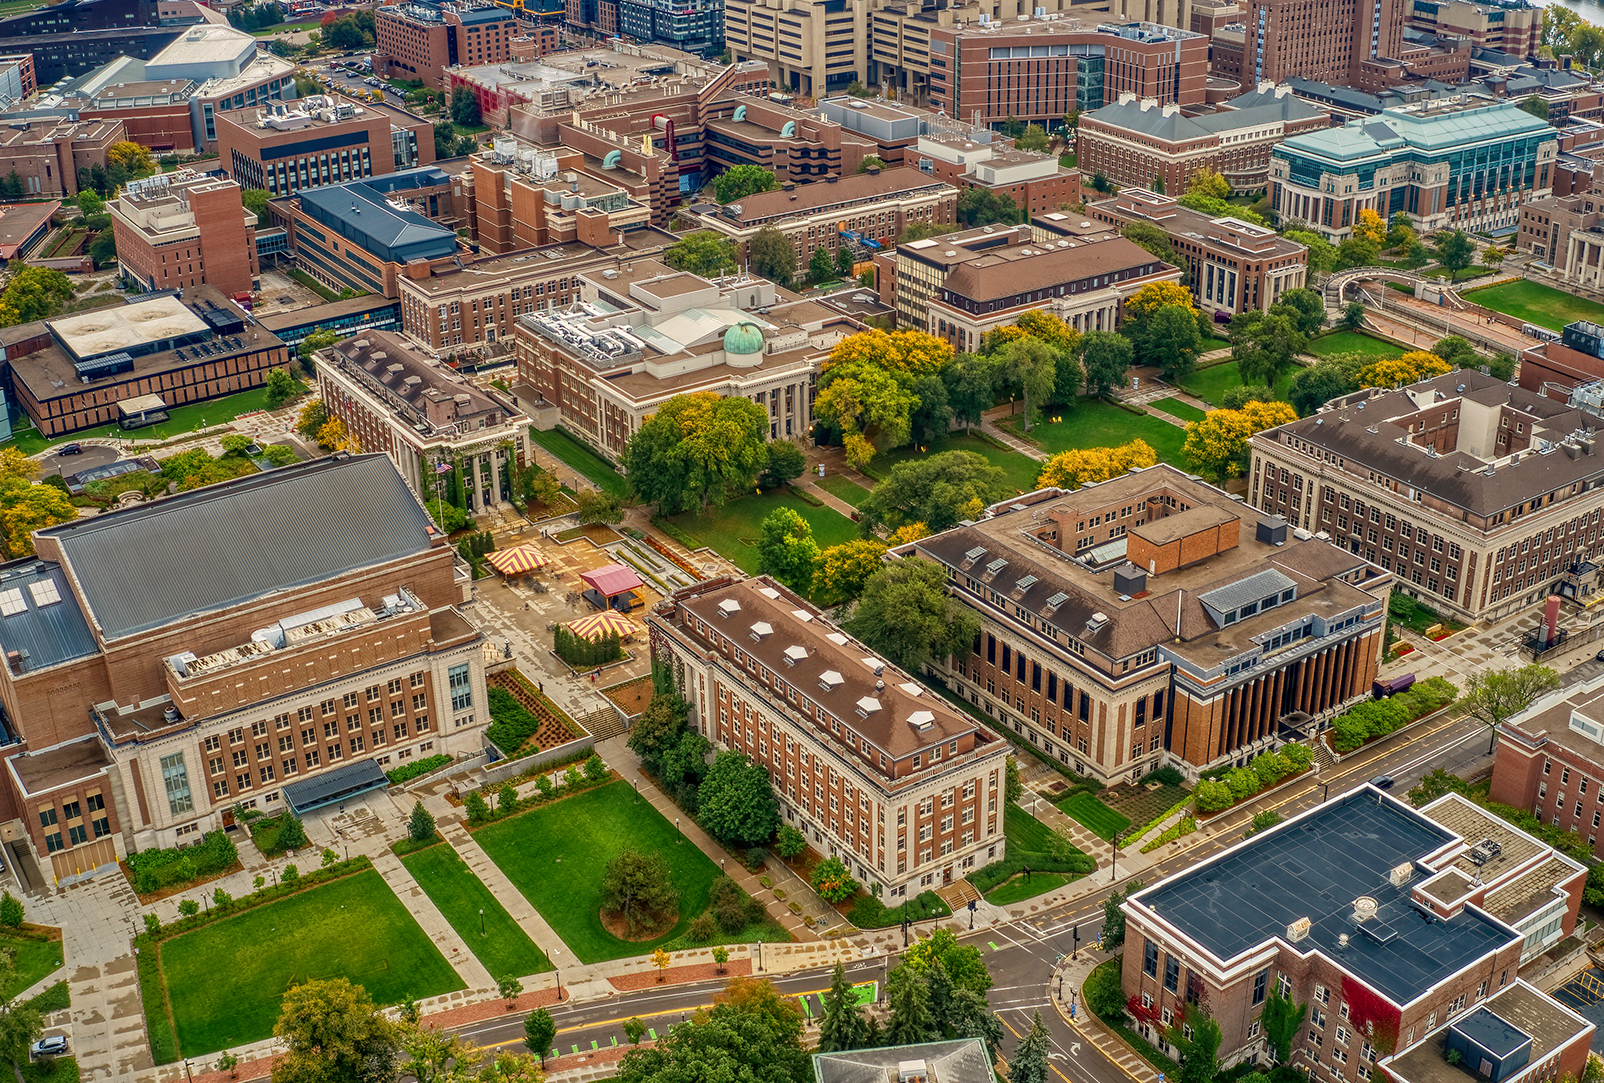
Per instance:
x=638, y=334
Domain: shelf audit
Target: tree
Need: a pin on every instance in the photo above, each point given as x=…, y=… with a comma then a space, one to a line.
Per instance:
x=1208, y=183
x=26, y=508
x=937, y=490
x=737, y=801
x=1494, y=256
x=420, y=825
x=703, y=252
x=638, y=887
x=970, y=1016
x=598, y=506
x=1371, y=226
x=1322, y=255
x=786, y=549
x=1219, y=208
x=1353, y=315
x=448, y=517
x=821, y=268
x=833, y=881
x=740, y=181
x=280, y=387
x=961, y=963
x=983, y=207
x=1197, y=1038
x=634, y=1030
x=1455, y=250
x=1264, y=345
x=477, y=807
x=437, y=1056
x=1282, y=1018
x=131, y=157
x=1416, y=255
x=313, y=416
x=1114, y=916
x=1148, y=236
x=841, y=571
x=1536, y=106
x=699, y=448
x=509, y=989
x=1236, y=398
x=786, y=463
x=334, y=437
x=908, y=997
x=331, y=1030
x=103, y=249
x=20, y=1022
x=1357, y=251
x=464, y=107
x=1305, y=307
x=1106, y=357
x=540, y=1030
x=1457, y=352
x=750, y=1035
x=1412, y=367
x=790, y=842
x=1030, y=365
x=1034, y=138
x=844, y=261
x=659, y=728
x=1143, y=305
x=253, y=199
x=843, y=1025
x=871, y=161
x=1317, y=385
x=1030, y=1056
x=1216, y=446
x=34, y=293
x=907, y=616
x=866, y=387
x=918, y=231
x=772, y=254
x=1173, y=341
x=1494, y=698
x=1081, y=466
x=11, y=911
x=971, y=388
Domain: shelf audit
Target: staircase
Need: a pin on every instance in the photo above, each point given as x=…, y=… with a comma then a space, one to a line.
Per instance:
x=1323, y=756
x=602, y=724
x=957, y=895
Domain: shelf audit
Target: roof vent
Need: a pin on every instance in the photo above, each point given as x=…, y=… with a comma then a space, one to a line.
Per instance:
x=921, y=720
x=996, y=566
x=1055, y=601
x=728, y=606
x=1364, y=908
x=830, y=680
x=1096, y=622
x=761, y=629
x=1299, y=929
x=795, y=654
x=867, y=705
x=1401, y=874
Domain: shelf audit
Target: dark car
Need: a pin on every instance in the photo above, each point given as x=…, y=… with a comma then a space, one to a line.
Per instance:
x=1382, y=782
x=71, y=449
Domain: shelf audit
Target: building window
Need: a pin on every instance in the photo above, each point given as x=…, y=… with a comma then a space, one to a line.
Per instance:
x=461, y=694
x=176, y=780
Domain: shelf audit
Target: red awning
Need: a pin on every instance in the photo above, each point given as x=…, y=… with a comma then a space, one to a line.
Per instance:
x=612, y=580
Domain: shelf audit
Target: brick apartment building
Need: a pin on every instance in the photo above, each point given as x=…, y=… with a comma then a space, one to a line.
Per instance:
x=420, y=39
x=1328, y=40
x=1550, y=760
x=1233, y=266
x=184, y=229
x=1137, y=142
x=1479, y=496
x=1153, y=619
x=667, y=333
x=318, y=140
x=1326, y=909
x=874, y=768
x=160, y=674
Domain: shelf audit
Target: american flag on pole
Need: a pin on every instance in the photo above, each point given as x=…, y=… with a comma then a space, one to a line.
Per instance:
x=442, y=468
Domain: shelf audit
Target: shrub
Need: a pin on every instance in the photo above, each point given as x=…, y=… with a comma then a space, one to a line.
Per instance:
x=166, y=867
x=702, y=928
x=1270, y=768
x=478, y=809
x=1243, y=783
x=1379, y=717
x=291, y=874
x=11, y=911
x=188, y=908
x=595, y=768
x=1212, y=795
x=511, y=723
x=329, y=857
x=756, y=858
x=833, y=882
x=1167, y=775
x=417, y=767
x=578, y=651
x=545, y=786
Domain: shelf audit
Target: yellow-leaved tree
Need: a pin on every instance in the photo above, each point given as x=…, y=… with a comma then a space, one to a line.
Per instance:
x=1217, y=446
x=909, y=532
x=1150, y=298
x=1371, y=226
x=865, y=388
x=1079, y=466
x=1412, y=367
x=841, y=570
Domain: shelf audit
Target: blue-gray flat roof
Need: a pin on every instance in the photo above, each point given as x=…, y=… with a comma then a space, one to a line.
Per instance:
x=47, y=634
x=340, y=784
x=1315, y=867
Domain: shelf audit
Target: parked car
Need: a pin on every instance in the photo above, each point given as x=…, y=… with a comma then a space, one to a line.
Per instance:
x=1382, y=782
x=52, y=1045
x=71, y=449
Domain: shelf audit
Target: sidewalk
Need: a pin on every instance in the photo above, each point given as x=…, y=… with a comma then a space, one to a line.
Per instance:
x=527, y=917
x=1065, y=991
x=433, y=923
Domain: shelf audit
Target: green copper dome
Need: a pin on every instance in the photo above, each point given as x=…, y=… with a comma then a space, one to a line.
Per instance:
x=743, y=338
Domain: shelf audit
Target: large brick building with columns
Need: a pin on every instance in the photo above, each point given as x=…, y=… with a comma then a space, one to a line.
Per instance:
x=1153, y=619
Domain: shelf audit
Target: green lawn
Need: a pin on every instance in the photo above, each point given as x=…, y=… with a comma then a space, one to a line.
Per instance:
x=225, y=981
x=1095, y=816
x=556, y=854
x=1019, y=889
x=1536, y=303
x=35, y=959
x=1021, y=469
x=1212, y=383
x=846, y=489
x=733, y=529
x=468, y=905
x=1095, y=423
x=1176, y=408
x=181, y=421
x=1068, y=161
x=580, y=458
x=1353, y=342
x=1211, y=344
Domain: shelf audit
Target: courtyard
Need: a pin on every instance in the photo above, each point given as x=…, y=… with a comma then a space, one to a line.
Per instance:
x=1536, y=303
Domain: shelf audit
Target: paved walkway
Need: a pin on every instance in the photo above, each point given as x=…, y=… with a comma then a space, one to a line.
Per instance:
x=434, y=923
x=527, y=917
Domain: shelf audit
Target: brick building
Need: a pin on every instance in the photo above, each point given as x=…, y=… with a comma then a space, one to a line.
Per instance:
x=1479, y=496
x=543, y=197
x=1233, y=266
x=1550, y=760
x=1524, y=1035
x=874, y=768
x=422, y=414
x=1135, y=142
x=1329, y=40
x=80, y=371
x=420, y=39
x=977, y=158
x=1326, y=909
x=1153, y=619
x=184, y=229
x=160, y=673
x=77, y=36
x=668, y=333
x=1508, y=26
x=47, y=153
x=323, y=139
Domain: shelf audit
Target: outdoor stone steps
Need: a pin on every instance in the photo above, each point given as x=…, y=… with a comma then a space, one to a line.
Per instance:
x=601, y=723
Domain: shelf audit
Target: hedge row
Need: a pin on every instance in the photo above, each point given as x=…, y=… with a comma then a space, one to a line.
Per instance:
x=1379, y=717
x=412, y=770
x=511, y=723
x=1240, y=783
x=1184, y=826
x=575, y=780
x=999, y=872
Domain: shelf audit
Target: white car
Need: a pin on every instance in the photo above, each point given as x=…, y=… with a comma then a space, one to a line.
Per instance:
x=52, y=1045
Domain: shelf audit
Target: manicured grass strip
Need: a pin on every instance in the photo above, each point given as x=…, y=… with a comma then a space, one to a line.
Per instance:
x=53, y=999
x=503, y=947
x=732, y=530
x=1019, y=889
x=1095, y=816
x=845, y=488
x=1212, y=383
x=1211, y=344
x=580, y=458
x=1094, y=423
x=1176, y=408
x=158, y=1022
x=1024, y=831
x=1353, y=342
x=1533, y=302
x=556, y=854
x=353, y=927
x=35, y=959
x=1020, y=470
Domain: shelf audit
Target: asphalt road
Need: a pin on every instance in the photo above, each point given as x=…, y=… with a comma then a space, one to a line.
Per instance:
x=92, y=455
x=1022, y=955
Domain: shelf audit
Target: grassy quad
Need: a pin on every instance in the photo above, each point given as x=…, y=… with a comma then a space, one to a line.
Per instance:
x=844, y=489
x=1212, y=383
x=503, y=947
x=1093, y=815
x=582, y=460
x=1094, y=423
x=1025, y=834
x=732, y=530
x=225, y=981
x=1338, y=342
x=1176, y=408
x=555, y=855
x=1021, y=470
x=1536, y=303
x=34, y=960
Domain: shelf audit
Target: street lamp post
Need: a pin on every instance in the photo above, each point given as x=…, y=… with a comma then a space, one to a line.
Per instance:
x=760, y=955
x=481, y=921
x=677, y=828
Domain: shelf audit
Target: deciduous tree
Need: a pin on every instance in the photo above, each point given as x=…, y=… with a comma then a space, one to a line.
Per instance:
x=1306, y=308
x=962, y=963
x=1412, y=367
x=906, y=614
x=1209, y=183
x=598, y=506
x=1318, y=384
x=26, y=508
x=1171, y=340
x=937, y=490
x=772, y=255
x=703, y=252
x=866, y=387
x=750, y=1035
x=1197, y=1038
x=1494, y=698
x=1455, y=250
x=1264, y=344
x=736, y=801
x=134, y=158
x=842, y=570
x=34, y=293
x=1322, y=254
x=1080, y=466
x=1371, y=226
x=431, y=1055
x=1031, y=366
x=1106, y=356
x=1216, y=446
x=740, y=181
x=786, y=549
x=698, y=449
x=331, y=1030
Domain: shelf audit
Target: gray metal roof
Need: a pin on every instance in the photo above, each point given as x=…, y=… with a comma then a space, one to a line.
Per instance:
x=45, y=635
x=1256, y=587
x=962, y=1060
x=201, y=551
x=334, y=785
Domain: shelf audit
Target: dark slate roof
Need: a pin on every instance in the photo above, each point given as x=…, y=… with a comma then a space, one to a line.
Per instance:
x=961, y=1061
x=44, y=634
x=1314, y=867
x=204, y=550
x=1498, y=1036
x=336, y=785
x=360, y=213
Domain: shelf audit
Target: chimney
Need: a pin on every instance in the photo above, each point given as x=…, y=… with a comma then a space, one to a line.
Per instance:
x=874, y=171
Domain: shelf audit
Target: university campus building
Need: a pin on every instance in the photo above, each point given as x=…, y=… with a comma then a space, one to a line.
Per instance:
x=1550, y=759
x=273, y=641
x=1481, y=498
x=182, y=229
x=1152, y=618
x=1389, y=922
x=873, y=767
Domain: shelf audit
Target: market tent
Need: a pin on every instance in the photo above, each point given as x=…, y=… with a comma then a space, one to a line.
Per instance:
x=612, y=579
x=600, y=625
x=519, y=560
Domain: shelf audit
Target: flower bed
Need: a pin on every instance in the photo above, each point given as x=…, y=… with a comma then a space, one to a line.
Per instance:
x=1184, y=826
x=412, y=770
x=158, y=873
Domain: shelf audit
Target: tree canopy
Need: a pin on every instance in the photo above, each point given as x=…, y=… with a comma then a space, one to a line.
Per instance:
x=786, y=550
x=1494, y=698
x=841, y=570
x=1080, y=466
x=698, y=449
x=1107, y=356
x=736, y=801
x=639, y=888
x=906, y=614
x=332, y=1031
x=33, y=293
x=750, y=1035
x=1412, y=367
x=936, y=490
x=772, y=255
x=1264, y=344
x=703, y=252
x=740, y=181
x=1217, y=445
x=866, y=388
